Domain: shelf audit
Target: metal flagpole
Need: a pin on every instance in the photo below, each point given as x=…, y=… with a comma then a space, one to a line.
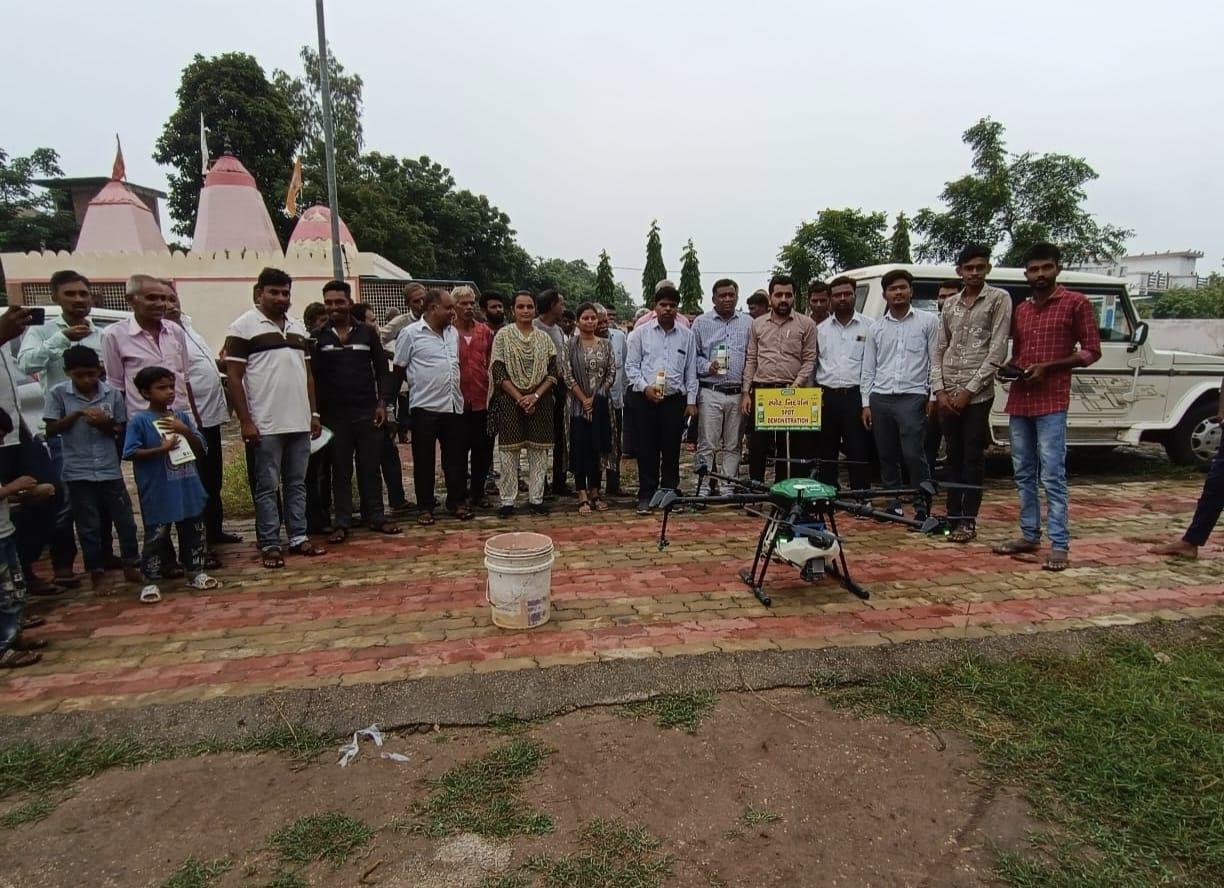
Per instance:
x=329, y=147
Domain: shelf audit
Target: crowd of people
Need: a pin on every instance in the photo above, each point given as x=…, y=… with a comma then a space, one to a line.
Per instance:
x=492, y=387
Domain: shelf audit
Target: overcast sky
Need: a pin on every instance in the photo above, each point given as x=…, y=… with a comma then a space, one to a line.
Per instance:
x=729, y=122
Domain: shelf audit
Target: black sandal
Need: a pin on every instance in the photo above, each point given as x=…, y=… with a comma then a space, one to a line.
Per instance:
x=273, y=558
x=307, y=549
x=341, y=535
x=390, y=528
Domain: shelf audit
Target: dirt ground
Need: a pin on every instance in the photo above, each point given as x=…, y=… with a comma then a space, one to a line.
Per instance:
x=861, y=802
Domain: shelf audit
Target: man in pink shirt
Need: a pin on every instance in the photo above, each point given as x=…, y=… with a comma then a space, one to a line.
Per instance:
x=145, y=340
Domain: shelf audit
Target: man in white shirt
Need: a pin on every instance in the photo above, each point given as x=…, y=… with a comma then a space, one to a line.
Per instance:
x=841, y=340
x=273, y=393
x=205, y=372
x=427, y=357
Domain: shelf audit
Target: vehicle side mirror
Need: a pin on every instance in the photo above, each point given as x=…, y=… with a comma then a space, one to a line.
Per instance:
x=1138, y=337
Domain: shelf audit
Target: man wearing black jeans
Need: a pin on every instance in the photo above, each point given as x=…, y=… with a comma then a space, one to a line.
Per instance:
x=972, y=340
x=350, y=374
x=1210, y=504
x=661, y=365
x=550, y=305
x=841, y=339
x=475, y=350
x=427, y=357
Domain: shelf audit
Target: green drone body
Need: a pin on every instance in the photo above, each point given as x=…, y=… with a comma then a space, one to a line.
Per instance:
x=795, y=489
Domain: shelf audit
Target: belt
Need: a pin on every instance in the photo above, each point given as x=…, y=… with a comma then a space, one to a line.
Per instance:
x=723, y=388
x=838, y=391
x=772, y=385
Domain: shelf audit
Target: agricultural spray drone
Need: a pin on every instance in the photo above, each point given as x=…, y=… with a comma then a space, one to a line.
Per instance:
x=799, y=518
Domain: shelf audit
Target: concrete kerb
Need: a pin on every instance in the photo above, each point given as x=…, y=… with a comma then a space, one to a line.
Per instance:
x=465, y=700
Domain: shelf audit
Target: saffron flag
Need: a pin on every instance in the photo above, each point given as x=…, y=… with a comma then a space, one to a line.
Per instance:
x=295, y=188
x=203, y=147
x=118, y=171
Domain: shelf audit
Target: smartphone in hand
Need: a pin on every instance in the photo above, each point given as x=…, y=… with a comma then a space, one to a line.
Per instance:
x=38, y=315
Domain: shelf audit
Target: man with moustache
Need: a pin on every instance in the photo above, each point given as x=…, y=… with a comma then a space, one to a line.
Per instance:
x=721, y=336
x=841, y=341
x=781, y=354
x=818, y=301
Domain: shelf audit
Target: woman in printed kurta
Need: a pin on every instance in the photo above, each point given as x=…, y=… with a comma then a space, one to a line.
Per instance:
x=523, y=373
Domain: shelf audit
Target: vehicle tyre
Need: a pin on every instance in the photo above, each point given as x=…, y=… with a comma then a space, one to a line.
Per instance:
x=1197, y=437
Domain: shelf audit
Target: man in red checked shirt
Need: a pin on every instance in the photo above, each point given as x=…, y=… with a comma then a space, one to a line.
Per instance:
x=1053, y=331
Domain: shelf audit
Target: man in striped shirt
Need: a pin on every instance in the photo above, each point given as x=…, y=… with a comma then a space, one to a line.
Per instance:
x=721, y=337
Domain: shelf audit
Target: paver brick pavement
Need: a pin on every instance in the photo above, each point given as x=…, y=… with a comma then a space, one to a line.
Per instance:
x=388, y=609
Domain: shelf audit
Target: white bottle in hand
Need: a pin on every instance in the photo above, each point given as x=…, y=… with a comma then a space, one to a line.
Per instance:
x=661, y=382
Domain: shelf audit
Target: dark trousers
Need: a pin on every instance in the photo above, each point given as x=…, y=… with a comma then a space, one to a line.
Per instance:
x=62, y=542
x=1210, y=504
x=34, y=521
x=842, y=431
x=477, y=452
x=762, y=445
x=899, y=428
x=319, y=490
x=559, y=455
x=392, y=468
x=429, y=429
x=211, y=470
x=157, y=543
x=629, y=423
x=96, y=506
x=930, y=446
x=660, y=427
x=968, y=435
x=363, y=441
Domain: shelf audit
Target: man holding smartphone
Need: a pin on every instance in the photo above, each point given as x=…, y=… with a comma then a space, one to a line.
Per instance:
x=1053, y=331
x=42, y=355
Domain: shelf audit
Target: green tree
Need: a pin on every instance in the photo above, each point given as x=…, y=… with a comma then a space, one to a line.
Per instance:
x=304, y=96
x=1181, y=302
x=655, y=270
x=1011, y=201
x=690, y=280
x=246, y=113
x=899, y=245
x=410, y=211
x=30, y=218
x=834, y=241
x=610, y=292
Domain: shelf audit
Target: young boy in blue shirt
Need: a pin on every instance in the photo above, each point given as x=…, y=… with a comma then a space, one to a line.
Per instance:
x=89, y=415
x=170, y=495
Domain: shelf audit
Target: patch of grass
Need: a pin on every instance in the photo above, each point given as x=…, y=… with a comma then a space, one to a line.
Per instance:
x=1122, y=749
x=683, y=711
x=513, y=880
x=612, y=855
x=285, y=879
x=235, y=491
x=482, y=795
x=509, y=725
x=198, y=873
x=754, y=816
x=333, y=836
x=38, y=769
x=31, y=812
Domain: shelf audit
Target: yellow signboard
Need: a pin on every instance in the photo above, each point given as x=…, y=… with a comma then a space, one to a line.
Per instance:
x=788, y=409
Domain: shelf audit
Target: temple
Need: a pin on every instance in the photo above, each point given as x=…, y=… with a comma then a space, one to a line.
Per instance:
x=234, y=239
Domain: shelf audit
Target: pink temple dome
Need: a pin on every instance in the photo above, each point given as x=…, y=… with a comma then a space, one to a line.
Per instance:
x=232, y=214
x=315, y=225
x=117, y=221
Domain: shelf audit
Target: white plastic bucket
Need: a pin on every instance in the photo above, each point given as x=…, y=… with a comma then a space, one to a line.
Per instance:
x=520, y=578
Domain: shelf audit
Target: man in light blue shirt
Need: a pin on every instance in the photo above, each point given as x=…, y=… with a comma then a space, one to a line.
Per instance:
x=896, y=383
x=661, y=369
x=42, y=354
x=427, y=356
x=721, y=336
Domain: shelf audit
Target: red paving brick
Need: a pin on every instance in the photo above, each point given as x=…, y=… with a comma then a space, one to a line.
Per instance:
x=384, y=608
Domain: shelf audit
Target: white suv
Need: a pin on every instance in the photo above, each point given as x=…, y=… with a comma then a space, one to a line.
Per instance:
x=1134, y=393
x=29, y=389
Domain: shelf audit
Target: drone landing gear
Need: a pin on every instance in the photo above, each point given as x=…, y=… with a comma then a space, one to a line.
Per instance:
x=842, y=572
